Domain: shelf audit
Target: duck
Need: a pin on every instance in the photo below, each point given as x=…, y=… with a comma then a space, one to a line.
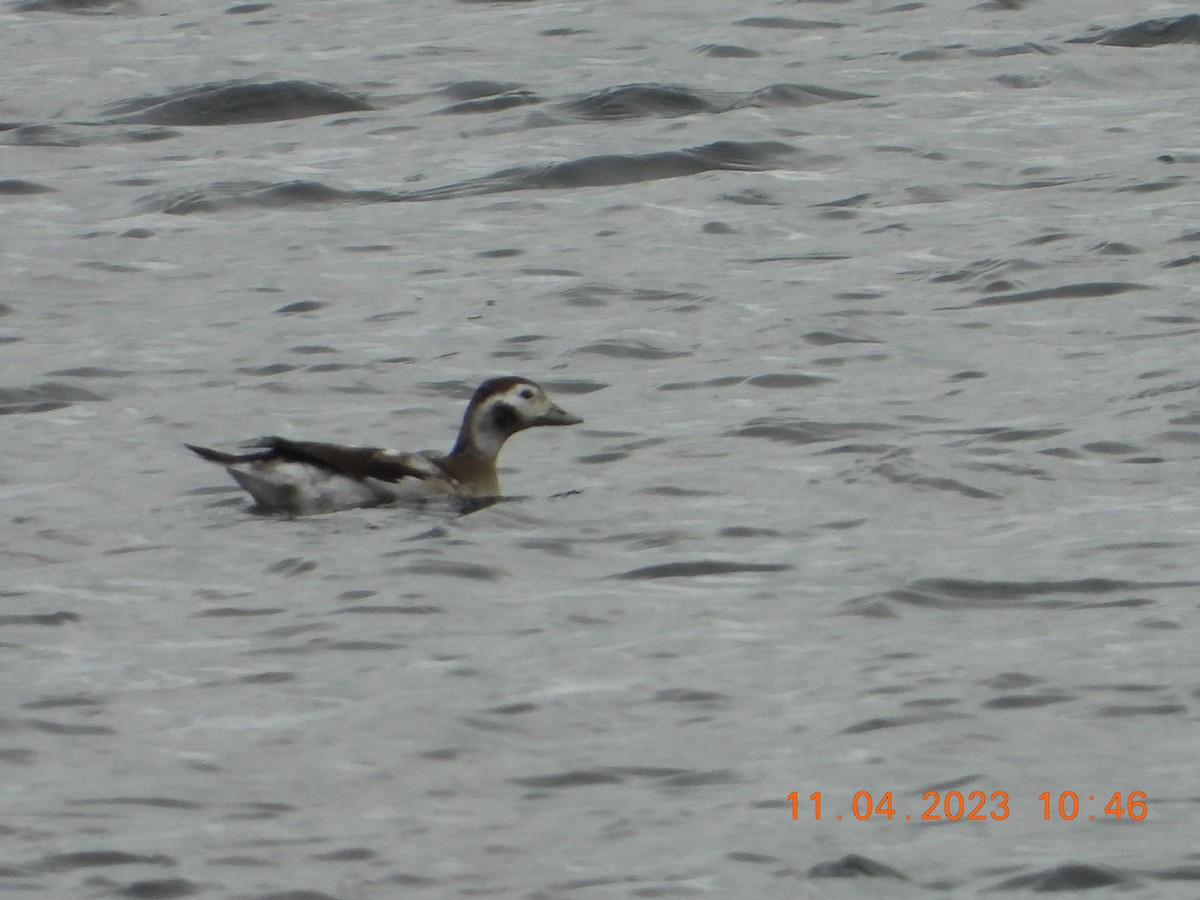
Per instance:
x=309, y=477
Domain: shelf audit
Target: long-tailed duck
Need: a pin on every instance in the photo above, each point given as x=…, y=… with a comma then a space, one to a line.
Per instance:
x=304, y=477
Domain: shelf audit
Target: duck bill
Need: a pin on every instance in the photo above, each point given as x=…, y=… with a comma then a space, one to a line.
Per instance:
x=556, y=415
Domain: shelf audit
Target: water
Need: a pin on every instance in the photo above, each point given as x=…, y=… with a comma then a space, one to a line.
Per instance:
x=881, y=319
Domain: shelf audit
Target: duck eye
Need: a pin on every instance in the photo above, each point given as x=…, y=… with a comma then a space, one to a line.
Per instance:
x=526, y=393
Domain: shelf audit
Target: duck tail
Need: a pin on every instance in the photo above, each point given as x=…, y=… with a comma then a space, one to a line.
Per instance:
x=214, y=456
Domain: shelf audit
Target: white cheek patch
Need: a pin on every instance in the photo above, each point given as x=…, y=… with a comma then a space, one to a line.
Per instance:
x=528, y=408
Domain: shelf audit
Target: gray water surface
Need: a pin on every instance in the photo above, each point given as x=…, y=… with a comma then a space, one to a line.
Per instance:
x=882, y=320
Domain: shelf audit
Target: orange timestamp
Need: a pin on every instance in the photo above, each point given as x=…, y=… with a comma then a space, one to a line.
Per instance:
x=980, y=806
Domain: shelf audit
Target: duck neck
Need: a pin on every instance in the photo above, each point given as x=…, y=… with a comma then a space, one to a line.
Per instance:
x=478, y=442
x=472, y=462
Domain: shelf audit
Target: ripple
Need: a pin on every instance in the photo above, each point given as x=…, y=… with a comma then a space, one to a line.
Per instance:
x=54, y=618
x=855, y=866
x=688, y=695
x=894, y=472
x=159, y=889
x=1069, y=877
x=15, y=187
x=727, y=51
x=1027, y=701
x=494, y=103
x=591, y=171
x=880, y=723
x=156, y=802
x=788, y=380
x=698, y=568
x=632, y=101
x=71, y=701
x=472, y=571
x=620, y=774
x=1064, y=292
x=981, y=594
x=90, y=372
x=237, y=103
x=417, y=610
x=90, y=859
x=49, y=727
x=805, y=431
x=720, y=381
x=787, y=24
x=43, y=397
x=630, y=350
x=831, y=338
x=1150, y=33
x=1161, y=709
x=75, y=7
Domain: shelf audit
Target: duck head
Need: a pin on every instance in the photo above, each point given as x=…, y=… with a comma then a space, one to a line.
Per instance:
x=500, y=408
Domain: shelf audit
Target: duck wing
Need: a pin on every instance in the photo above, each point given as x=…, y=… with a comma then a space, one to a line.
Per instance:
x=353, y=462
